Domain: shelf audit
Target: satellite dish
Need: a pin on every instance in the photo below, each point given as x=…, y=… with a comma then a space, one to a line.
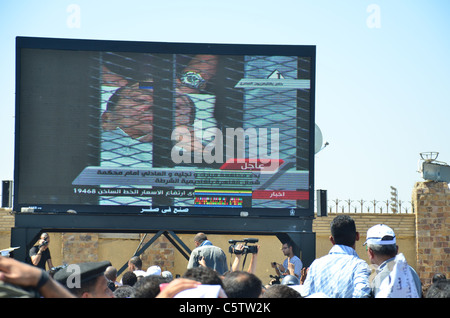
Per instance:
x=318, y=140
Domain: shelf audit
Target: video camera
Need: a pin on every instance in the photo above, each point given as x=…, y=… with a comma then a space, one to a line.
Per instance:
x=45, y=242
x=253, y=249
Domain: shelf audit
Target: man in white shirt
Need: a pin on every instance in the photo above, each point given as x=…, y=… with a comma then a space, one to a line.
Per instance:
x=382, y=250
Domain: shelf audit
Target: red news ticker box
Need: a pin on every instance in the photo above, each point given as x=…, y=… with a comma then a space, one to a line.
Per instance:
x=280, y=195
x=249, y=164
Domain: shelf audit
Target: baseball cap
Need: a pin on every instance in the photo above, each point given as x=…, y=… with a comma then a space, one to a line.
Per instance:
x=154, y=270
x=380, y=234
x=87, y=271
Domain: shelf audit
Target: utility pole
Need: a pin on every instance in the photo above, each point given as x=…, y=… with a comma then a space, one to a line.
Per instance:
x=394, y=200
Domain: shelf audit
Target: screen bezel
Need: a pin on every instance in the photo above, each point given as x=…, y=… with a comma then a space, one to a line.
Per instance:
x=163, y=48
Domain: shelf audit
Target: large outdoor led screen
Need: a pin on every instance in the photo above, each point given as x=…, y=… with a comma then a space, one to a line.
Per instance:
x=164, y=128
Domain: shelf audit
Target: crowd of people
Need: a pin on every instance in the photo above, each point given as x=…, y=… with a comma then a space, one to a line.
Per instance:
x=339, y=274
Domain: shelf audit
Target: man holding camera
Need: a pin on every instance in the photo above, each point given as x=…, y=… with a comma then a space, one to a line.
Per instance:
x=292, y=265
x=206, y=254
x=241, y=249
x=40, y=254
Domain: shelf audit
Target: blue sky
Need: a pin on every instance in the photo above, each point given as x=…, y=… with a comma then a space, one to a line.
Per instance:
x=382, y=88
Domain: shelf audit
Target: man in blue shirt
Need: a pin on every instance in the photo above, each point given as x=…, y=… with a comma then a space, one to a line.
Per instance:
x=292, y=265
x=341, y=273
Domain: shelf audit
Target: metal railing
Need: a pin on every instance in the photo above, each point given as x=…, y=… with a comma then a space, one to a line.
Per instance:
x=369, y=206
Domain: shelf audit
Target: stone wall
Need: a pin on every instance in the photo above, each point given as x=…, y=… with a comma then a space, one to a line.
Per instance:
x=79, y=247
x=6, y=223
x=93, y=247
x=161, y=253
x=431, y=201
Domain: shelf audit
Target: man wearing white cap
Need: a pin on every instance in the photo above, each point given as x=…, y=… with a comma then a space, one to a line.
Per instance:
x=154, y=270
x=382, y=250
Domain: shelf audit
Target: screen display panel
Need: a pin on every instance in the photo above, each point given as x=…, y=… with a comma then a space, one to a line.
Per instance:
x=164, y=128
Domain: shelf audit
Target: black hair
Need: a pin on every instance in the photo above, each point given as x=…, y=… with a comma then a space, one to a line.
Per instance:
x=439, y=289
x=343, y=230
x=384, y=250
x=148, y=287
x=136, y=261
x=281, y=291
x=124, y=292
x=129, y=278
x=240, y=284
x=288, y=242
x=114, y=99
x=204, y=275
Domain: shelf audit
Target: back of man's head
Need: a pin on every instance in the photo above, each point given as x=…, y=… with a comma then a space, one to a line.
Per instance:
x=111, y=273
x=387, y=251
x=124, y=292
x=281, y=291
x=129, y=278
x=439, y=289
x=343, y=230
x=148, y=287
x=204, y=275
x=136, y=261
x=200, y=237
x=240, y=284
x=438, y=277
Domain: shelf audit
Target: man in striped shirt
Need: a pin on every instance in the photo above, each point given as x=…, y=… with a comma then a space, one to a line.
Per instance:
x=340, y=273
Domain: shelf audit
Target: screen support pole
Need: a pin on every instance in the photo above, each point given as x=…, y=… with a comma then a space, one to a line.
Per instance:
x=24, y=238
x=176, y=241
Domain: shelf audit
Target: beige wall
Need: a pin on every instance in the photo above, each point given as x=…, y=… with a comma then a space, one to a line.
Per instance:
x=402, y=224
x=6, y=222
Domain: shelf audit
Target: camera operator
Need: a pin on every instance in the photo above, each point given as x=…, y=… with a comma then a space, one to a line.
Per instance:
x=208, y=255
x=40, y=253
x=238, y=250
x=292, y=265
